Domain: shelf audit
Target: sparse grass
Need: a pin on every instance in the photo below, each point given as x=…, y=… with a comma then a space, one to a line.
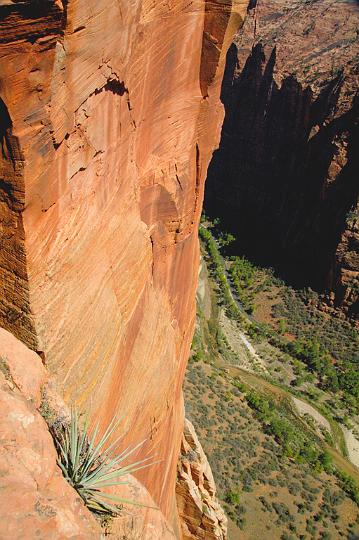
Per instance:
x=248, y=461
x=4, y=368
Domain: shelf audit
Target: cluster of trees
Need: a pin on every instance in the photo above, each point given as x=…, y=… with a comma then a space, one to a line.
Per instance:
x=317, y=360
x=332, y=376
x=243, y=275
x=241, y=270
x=294, y=442
x=216, y=267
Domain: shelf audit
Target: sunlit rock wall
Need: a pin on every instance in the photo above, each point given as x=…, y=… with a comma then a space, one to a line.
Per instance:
x=109, y=114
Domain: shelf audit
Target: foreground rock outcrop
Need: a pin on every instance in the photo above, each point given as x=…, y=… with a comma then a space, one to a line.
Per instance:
x=109, y=114
x=35, y=499
x=286, y=176
x=200, y=512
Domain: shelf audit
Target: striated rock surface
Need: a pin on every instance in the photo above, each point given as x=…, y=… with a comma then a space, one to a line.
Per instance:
x=285, y=177
x=143, y=522
x=109, y=114
x=200, y=512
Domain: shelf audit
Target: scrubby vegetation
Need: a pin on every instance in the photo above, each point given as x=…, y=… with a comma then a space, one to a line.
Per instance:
x=269, y=483
x=327, y=347
x=298, y=308
x=268, y=461
x=294, y=441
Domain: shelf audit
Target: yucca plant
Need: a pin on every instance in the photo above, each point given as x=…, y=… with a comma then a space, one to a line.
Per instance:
x=89, y=466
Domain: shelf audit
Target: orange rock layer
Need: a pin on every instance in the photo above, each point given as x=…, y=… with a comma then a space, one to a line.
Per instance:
x=109, y=114
x=35, y=499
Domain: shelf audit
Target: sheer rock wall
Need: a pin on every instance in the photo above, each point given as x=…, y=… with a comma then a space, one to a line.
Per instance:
x=201, y=515
x=109, y=115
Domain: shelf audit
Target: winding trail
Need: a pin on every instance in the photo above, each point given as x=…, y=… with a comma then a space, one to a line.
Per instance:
x=304, y=408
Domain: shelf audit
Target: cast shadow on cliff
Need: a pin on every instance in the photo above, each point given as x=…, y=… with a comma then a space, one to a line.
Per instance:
x=30, y=20
x=5, y=126
x=15, y=312
x=271, y=181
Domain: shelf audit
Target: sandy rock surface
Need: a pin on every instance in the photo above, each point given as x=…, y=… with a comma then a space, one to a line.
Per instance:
x=35, y=499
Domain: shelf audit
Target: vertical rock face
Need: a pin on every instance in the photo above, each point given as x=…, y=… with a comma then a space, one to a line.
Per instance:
x=201, y=514
x=285, y=177
x=109, y=115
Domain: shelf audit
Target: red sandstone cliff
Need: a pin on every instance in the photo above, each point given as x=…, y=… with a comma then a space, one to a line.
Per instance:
x=109, y=114
x=35, y=499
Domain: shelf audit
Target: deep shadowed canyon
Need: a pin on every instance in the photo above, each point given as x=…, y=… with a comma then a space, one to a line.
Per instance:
x=285, y=178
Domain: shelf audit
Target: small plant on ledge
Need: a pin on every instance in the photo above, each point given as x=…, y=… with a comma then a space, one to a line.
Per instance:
x=89, y=466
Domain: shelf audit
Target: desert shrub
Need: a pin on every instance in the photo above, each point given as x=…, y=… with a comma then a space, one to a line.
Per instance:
x=233, y=497
x=282, y=511
x=89, y=464
x=286, y=536
x=266, y=504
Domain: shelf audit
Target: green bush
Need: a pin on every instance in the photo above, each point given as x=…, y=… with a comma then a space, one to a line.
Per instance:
x=233, y=498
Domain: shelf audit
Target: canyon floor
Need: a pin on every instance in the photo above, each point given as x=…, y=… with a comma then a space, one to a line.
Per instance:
x=282, y=445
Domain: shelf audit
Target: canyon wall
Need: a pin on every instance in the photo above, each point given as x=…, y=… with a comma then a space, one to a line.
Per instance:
x=109, y=115
x=285, y=178
x=36, y=501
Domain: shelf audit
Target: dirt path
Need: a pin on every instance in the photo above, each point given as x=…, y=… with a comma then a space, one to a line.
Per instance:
x=247, y=355
x=352, y=446
x=304, y=408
